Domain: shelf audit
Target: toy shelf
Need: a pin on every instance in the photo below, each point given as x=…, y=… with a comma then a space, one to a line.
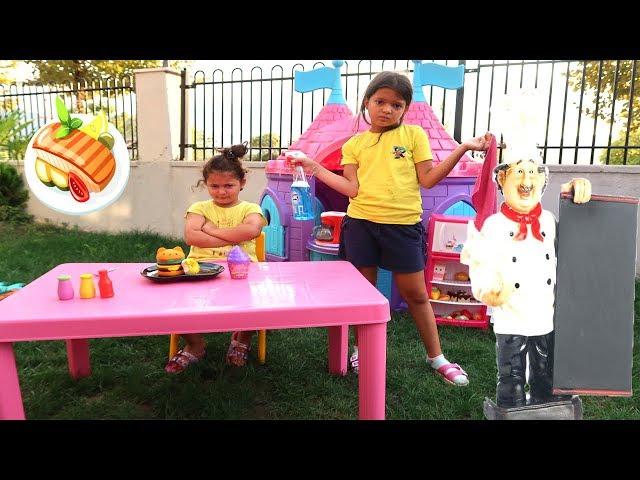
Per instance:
x=454, y=303
x=446, y=237
x=452, y=282
x=462, y=323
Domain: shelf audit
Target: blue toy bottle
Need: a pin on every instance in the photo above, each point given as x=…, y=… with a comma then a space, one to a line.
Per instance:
x=301, y=201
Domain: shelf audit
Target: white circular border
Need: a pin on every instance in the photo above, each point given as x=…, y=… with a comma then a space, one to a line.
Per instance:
x=62, y=201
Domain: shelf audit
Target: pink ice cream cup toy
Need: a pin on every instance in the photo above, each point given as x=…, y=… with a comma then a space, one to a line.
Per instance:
x=238, y=262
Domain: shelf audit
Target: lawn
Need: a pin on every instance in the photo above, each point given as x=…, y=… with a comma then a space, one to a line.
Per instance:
x=128, y=381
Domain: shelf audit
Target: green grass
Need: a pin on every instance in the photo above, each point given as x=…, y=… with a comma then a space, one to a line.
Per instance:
x=128, y=381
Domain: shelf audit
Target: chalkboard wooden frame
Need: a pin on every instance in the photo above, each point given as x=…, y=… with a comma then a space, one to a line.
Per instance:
x=595, y=289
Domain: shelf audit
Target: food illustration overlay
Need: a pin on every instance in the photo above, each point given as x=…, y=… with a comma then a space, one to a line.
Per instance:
x=77, y=164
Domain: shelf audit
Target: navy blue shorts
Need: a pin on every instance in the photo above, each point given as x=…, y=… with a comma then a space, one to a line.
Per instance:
x=397, y=248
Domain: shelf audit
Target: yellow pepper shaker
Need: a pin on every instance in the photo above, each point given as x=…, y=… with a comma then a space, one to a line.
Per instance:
x=87, y=288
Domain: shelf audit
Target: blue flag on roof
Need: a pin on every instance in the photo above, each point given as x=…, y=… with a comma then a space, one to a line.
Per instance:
x=323, y=77
x=434, y=74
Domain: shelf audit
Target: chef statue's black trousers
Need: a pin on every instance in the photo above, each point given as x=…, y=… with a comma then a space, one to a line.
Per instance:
x=511, y=359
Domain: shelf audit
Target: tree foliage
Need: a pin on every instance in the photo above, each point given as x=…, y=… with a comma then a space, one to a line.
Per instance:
x=6, y=70
x=15, y=134
x=261, y=144
x=611, y=80
x=57, y=72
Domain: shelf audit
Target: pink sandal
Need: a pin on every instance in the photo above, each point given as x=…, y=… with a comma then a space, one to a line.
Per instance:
x=450, y=371
x=238, y=352
x=181, y=361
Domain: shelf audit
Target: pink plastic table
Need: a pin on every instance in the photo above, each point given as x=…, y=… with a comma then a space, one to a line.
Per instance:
x=275, y=295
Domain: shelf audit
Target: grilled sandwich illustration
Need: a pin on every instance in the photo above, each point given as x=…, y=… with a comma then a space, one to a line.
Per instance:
x=78, y=159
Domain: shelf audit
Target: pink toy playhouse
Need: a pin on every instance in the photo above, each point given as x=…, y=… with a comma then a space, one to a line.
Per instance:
x=290, y=240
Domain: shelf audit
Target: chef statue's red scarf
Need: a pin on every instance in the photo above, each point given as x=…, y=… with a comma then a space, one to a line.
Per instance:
x=523, y=219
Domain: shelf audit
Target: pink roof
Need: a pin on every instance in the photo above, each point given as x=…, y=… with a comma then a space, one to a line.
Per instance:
x=314, y=138
x=335, y=124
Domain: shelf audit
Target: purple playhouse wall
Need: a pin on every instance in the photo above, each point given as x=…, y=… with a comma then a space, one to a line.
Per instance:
x=298, y=232
x=445, y=194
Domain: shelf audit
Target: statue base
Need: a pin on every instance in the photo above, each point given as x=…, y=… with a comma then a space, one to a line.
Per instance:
x=558, y=410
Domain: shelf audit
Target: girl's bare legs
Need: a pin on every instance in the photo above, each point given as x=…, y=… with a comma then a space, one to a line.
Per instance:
x=371, y=274
x=195, y=343
x=413, y=289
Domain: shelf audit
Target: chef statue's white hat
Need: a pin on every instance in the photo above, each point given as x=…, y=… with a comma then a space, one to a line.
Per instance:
x=519, y=116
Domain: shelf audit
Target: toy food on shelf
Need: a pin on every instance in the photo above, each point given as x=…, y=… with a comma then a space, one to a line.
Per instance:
x=460, y=315
x=190, y=266
x=462, y=276
x=445, y=298
x=435, y=293
x=169, y=261
x=78, y=160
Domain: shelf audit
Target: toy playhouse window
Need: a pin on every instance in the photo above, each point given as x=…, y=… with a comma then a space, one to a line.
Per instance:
x=460, y=209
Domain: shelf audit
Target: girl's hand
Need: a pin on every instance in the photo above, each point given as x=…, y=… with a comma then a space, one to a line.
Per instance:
x=309, y=166
x=209, y=227
x=479, y=143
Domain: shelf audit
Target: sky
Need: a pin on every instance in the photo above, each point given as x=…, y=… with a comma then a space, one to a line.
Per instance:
x=300, y=115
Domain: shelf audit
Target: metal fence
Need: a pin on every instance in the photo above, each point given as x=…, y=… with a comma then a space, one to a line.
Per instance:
x=36, y=105
x=589, y=106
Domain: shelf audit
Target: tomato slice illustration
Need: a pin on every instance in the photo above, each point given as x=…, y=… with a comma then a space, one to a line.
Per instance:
x=78, y=189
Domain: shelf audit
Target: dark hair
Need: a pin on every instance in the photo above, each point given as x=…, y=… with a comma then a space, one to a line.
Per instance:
x=229, y=160
x=396, y=82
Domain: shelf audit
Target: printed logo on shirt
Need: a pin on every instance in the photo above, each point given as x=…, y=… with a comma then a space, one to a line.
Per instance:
x=398, y=152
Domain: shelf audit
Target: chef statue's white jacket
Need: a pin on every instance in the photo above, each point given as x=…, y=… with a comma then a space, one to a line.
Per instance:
x=526, y=266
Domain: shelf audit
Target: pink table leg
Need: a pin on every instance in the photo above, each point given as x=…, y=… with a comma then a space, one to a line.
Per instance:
x=338, y=349
x=372, y=356
x=78, y=358
x=10, y=396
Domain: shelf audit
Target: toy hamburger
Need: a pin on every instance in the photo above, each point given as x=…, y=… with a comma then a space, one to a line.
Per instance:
x=169, y=261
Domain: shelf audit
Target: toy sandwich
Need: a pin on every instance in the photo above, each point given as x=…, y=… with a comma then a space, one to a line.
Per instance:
x=77, y=162
x=169, y=261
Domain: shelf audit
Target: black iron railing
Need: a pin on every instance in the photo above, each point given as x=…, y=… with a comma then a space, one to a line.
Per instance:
x=36, y=105
x=582, y=114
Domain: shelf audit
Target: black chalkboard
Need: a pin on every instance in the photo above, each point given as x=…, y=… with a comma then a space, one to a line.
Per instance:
x=595, y=286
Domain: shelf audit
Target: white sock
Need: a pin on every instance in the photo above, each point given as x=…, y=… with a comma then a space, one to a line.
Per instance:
x=437, y=362
x=440, y=360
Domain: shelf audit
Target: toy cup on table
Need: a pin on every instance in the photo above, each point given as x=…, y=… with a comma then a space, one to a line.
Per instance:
x=87, y=288
x=65, y=289
x=238, y=262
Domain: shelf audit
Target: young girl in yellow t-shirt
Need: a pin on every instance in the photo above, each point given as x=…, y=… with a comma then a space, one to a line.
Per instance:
x=212, y=228
x=384, y=168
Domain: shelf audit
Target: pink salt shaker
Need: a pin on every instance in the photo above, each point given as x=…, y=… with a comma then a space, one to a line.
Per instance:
x=65, y=289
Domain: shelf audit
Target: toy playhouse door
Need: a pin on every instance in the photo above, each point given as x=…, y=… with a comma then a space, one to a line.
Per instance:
x=595, y=289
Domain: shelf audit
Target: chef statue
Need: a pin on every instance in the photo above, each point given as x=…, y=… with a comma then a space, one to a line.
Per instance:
x=512, y=264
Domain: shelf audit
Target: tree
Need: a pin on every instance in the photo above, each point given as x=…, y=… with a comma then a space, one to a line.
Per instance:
x=59, y=72
x=261, y=143
x=15, y=134
x=611, y=79
x=6, y=70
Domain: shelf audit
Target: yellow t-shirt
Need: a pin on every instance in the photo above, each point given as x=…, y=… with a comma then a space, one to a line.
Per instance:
x=224, y=218
x=389, y=191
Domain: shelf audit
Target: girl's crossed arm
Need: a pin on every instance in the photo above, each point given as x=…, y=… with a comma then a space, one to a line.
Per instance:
x=249, y=229
x=195, y=236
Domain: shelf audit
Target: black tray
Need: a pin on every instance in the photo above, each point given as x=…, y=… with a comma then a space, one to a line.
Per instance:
x=207, y=270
